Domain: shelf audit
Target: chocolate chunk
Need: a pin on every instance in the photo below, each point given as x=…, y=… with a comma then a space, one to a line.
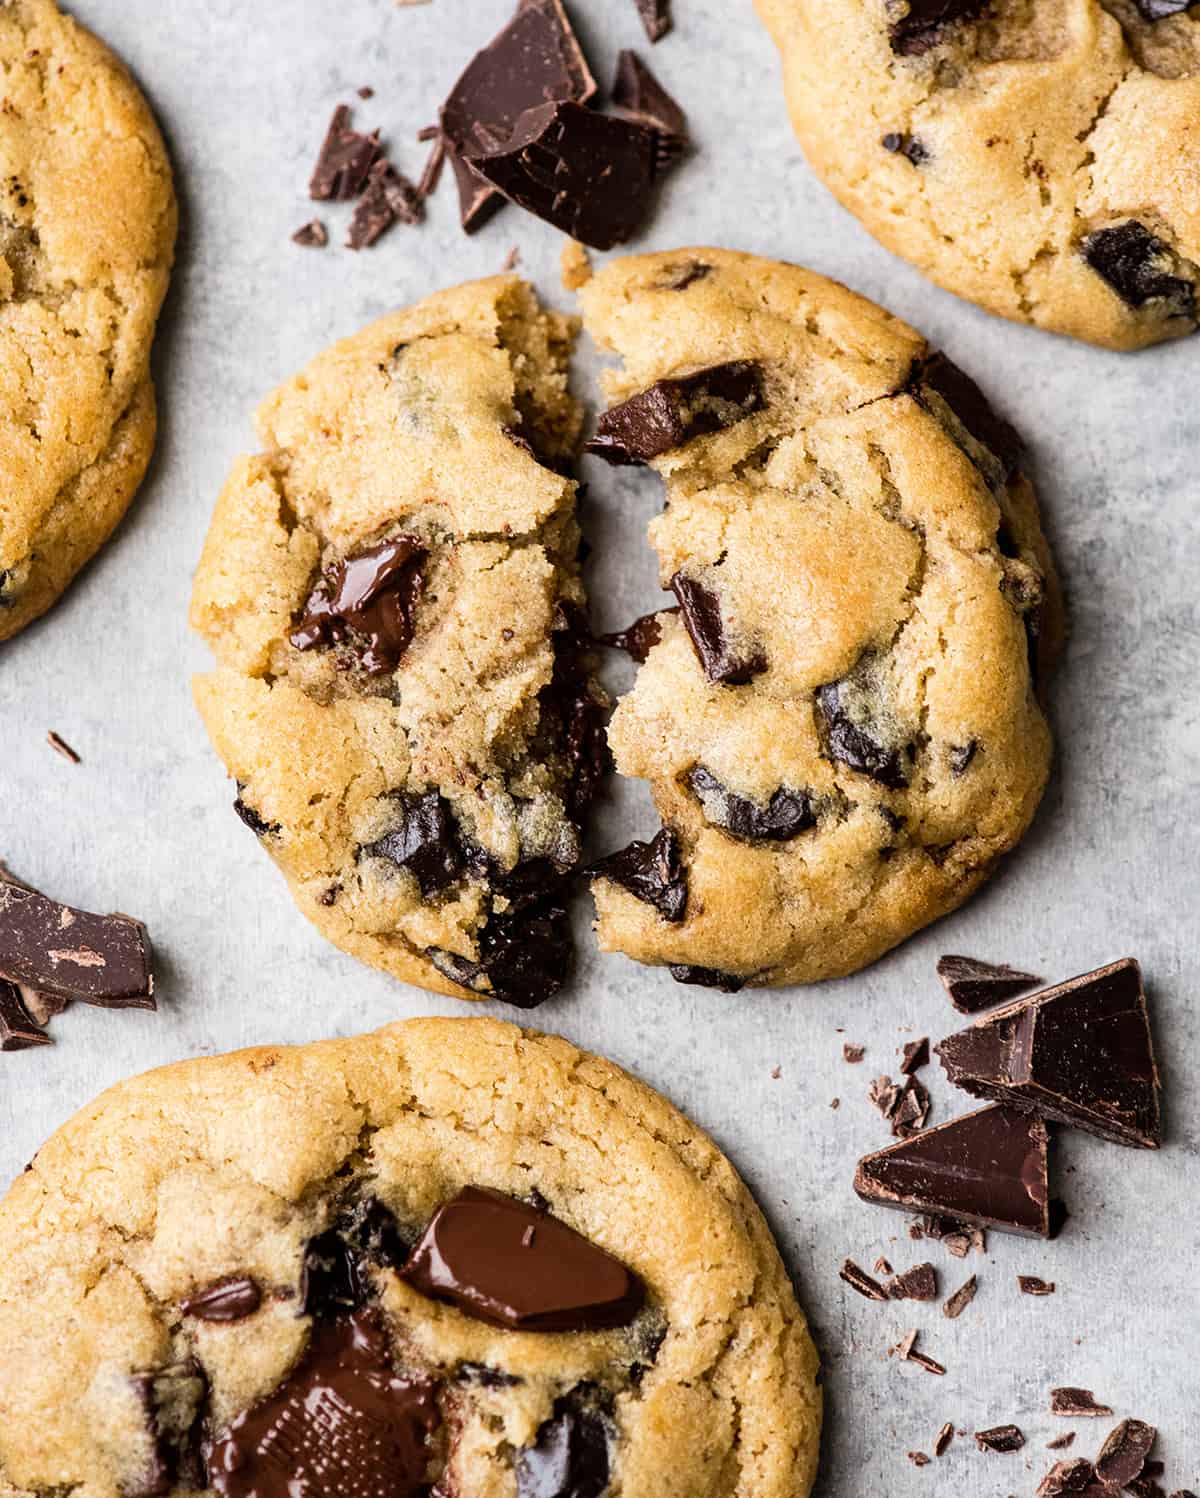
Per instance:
x=572, y=710
x=960, y=757
x=719, y=655
x=227, y=1300
x=974, y=985
x=312, y=235
x=906, y=1107
x=1124, y=1453
x=72, y=954
x=511, y=1265
x=1067, y=1477
x=942, y=1441
x=907, y=146
x=679, y=277
x=345, y=159
x=855, y=734
x=917, y=1283
x=1000, y=1438
x=371, y=598
x=941, y=387
x=425, y=841
x=1031, y=1285
x=253, y=819
x=1138, y=266
x=640, y=638
x=672, y=411
x=853, y=1053
x=60, y=746
x=906, y=1352
x=343, y=1422
x=916, y=1055
x=989, y=1167
x=924, y=21
x=1060, y=1443
x=1080, y=1052
x=18, y=1030
x=706, y=977
x=957, y=1303
x=651, y=871
x=786, y=815
x=478, y=200
x=1076, y=1403
x=656, y=17
x=389, y=198
x=331, y=1277
x=639, y=93
x=858, y=1279
x=172, y=1401
x=569, y=1458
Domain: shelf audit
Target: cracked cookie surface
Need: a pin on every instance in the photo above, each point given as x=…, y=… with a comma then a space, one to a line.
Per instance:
x=839, y=722
x=229, y=1253
x=1038, y=157
x=403, y=694
x=87, y=233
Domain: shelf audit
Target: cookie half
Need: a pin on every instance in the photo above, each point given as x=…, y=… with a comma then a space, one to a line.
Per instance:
x=87, y=234
x=403, y=696
x=1038, y=157
x=450, y=1257
x=838, y=716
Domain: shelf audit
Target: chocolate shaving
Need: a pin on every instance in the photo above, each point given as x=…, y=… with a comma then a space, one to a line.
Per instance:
x=368, y=599
x=957, y=1303
x=858, y=1279
x=1002, y=1438
x=345, y=160
x=974, y=985
x=1031, y=1285
x=1061, y=1443
x=60, y=746
x=1076, y=1403
x=905, y=1350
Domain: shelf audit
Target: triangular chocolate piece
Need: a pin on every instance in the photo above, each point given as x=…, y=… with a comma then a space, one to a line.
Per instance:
x=1080, y=1052
x=974, y=985
x=988, y=1168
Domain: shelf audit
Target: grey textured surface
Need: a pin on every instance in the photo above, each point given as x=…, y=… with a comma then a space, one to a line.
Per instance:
x=144, y=824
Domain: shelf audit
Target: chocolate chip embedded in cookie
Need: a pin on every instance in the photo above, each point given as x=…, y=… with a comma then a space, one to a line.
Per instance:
x=840, y=726
x=404, y=692
x=429, y=1260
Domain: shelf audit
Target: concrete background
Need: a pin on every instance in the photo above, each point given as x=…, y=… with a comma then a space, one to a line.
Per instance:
x=144, y=824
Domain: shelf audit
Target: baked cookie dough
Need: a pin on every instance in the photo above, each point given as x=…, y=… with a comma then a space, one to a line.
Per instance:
x=450, y=1257
x=839, y=720
x=392, y=592
x=1039, y=157
x=87, y=234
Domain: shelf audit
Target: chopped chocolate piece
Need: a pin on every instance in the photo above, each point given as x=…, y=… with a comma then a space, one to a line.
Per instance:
x=1080, y=1052
x=942, y=1441
x=569, y=1458
x=1060, y=1443
x=939, y=385
x=641, y=636
x=917, y=1283
x=431, y=173
x=974, y=985
x=916, y=1055
x=907, y=146
x=652, y=872
x=918, y=1459
x=1124, y=1453
x=1138, y=266
x=656, y=17
x=60, y=746
x=989, y=1167
x=345, y=159
x=344, y=1421
x=1141, y=1487
x=1031, y=1285
x=679, y=277
x=18, y=1031
x=172, y=1401
x=957, y=1303
x=425, y=841
x=961, y=756
x=72, y=954
x=882, y=1266
x=389, y=198
x=906, y=1107
x=253, y=819
x=706, y=977
x=852, y=734
x=786, y=815
x=929, y=1364
x=1067, y=1477
x=510, y=1265
x=923, y=22
x=312, y=235
x=478, y=200
x=366, y=92
x=371, y=596
x=905, y=1351
x=571, y=703
x=854, y=1054
x=884, y=1093
x=639, y=93
x=1000, y=1438
x=227, y=1300
x=1076, y=1403
x=858, y=1279
x=705, y=624
x=672, y=411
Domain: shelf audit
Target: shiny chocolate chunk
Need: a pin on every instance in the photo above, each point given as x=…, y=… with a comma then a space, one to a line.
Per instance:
x=672, y=411
x=345, y=160
x=424, y=841
x=656, y=17
x=923, y=23
x=511, y=1265
x=574, y=711
x=706, y=977
x=370, y=598
x=1124, y=1453
x=1081, y=1053
x=172, y=1401
x=785, y=816
x=18, y=1029
x=907, y=146
x=388, y=198
x=344, y=1424
x=1002, y=1438
x=989, y=1168
x=720, y=657
x=332, y=1279
x=253, y=819
x=569, y=1458
x=53, y=949
x=640, y=638
x=1141, y=269
x=974, y=985
x=941, y=387
x=227, y=1300
x=638, y=92
x=856, y=734
x=652, y=872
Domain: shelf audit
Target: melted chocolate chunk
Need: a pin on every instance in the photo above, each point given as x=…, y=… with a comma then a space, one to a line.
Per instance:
x=1081, y=1053
x=172, y=1401
x=389, y=198
x=344, y=1424
x=18, y=1030
x=253, y=819
x=656, y=17
x=1003, y=1438
x=345, y=160
x=652, y=872
x=672, y=411
x=55, y=950
x=590, y=175
x=639, y=93
x=569, y=1458
x=640, y=638
x=574, y=712
x=706, y=977
x=853, y=732
x=227, y=1300
x=1124, y=1453
x=425, y=842
x=510, y=1265
x=974, y=985
x=924, y=21
x=907, y=146
x=331, y=1277
x=937, y=376
x=1139, y=267
x=370, y=598
x=989, y=1168
x=718, y=654
x=785, y=816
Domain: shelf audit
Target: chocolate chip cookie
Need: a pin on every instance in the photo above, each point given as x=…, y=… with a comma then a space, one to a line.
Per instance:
x=447, y=1258
x=403, y=692
x=838, y=712
x=1039, y=157
x=87, y=233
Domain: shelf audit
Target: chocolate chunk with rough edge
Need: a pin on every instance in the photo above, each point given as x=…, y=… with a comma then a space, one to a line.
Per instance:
x=345, y=1422
x=172, y=1401
x=478, y=200
x=924, y=21
x=706, y=977
x=227, y=1300
x=1124, y=1453
x=974, y=985
x=331, y=1278
x=640, y=638
x=424, y=841
x=1076, y=1403
x=1003, y=1438
x=575, y=712
x=858, y=1279
x=917, y=1283
x=786, y=815
x=506, y=1263
x=988, y=1167
x=705, y=624
x=958, y=1302
x=569, y=1458
x=18, y=1030
x=1139, y=267
x=852, y=734
x=672, y=411
x=960, y=757
x=656, y=17
x=388, y=198
x=253, y=819
x=312, y=235
x=344, y=161
x=55, y=950
x=652, y=872
x=907, y=146
x=1075, y=1477
x=916, y=1055
x=1081, y=1053
x=938, y=376
x=1030, y=1284
x=638, y=92
x=370, y=598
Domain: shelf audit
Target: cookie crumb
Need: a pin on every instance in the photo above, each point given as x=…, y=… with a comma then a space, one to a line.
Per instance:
x=60, y=746
x=576, y=266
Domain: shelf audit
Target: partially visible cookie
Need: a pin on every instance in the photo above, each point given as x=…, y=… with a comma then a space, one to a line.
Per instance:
x=447, y=1258
x=839, y=717
x=403, y=694
x=87, y=233
x=1039, y=157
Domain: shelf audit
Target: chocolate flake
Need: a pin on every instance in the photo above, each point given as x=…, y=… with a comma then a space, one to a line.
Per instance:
x=674, y=410
x=1076, y=1404
x=227, y=1300
x=389, y=198
x=1002, y=1438
x=918, y=1458
x=641, y=636
x=858, y=1279
x=71, y=954
x=942, y=1441
x=312, y=235
x=1076, y=1476
x=18, y=1030
x=917, y=1283
x=907, y=146
x=1124, y=1453
x=853, y=1053
x=974, y=985
x=638, y=92
x=786, y=815
x=923, y=23
x=1031, y=1285
x=656, y=17
x=60, y=746
x=1061, y=1443
x=425, y=841
x=569, y=1458
x=652, y=872
x=957, y=1303
x=905, y=1106
x=1139, y=267
x=706, y=977
x=906, y=1351
x=345, y=160
x=916, y=1055
x=369, y=598
x=716, y=650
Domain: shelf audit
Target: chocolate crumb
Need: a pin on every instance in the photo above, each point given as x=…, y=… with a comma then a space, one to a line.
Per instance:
x=389, y=198
x=60, y=746
x=1002, y=1438
x=957, y=1303
x=366, y=92
x=916, y=1055
x=835, y=1102
x=1077, y=1476
x=1076, y=1404
x=1060, y=1443
x=882, y=1266
x=943, y=1439
x=905, y=1350
x=656, y=17
x=312, y=235
x=918, y=1459
x=1031, y=1285
x=858, y=1279
x=853, y=1053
